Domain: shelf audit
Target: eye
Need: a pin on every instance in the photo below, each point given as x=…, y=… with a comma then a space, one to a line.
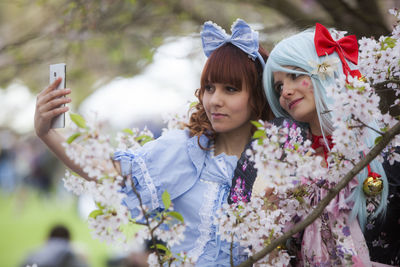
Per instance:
x=278, y=87
x=208, y=88
x=231, y=89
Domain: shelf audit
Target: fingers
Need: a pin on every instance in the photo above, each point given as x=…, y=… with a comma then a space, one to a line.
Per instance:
x=54, y=103
x=47, y=116
x=49, y=104
x=53, y=85
x=44, y=98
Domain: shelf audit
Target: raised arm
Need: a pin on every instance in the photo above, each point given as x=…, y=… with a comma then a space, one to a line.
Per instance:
x=48, y=106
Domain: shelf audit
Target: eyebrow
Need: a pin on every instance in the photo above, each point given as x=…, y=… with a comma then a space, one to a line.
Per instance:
x=294, y=68
x=298, y=68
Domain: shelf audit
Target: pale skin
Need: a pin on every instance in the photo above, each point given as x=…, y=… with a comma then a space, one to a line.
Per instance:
x=229, y=112
x=47, y=107
x=226, y=107
x=297, y=98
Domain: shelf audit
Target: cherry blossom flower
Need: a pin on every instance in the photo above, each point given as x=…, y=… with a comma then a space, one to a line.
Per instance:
x=325, y=68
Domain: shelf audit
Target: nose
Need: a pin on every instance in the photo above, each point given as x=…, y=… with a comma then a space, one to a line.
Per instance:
x=287, y=89
x=217, y=96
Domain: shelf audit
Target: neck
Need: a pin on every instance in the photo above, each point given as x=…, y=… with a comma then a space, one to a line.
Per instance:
x=232, y=143
x=315, y=128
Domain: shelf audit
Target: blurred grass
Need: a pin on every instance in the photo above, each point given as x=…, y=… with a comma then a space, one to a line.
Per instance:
x=26, y=219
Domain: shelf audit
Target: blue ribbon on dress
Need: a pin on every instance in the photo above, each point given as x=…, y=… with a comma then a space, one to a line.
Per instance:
x=243, y=37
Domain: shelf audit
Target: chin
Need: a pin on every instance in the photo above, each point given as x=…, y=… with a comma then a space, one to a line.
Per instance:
x=300, y=118
x=219, y=129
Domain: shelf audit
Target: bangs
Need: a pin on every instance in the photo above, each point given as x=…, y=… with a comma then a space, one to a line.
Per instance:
x=227, y=65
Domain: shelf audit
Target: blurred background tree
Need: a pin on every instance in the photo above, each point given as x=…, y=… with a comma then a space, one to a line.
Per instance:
x=102, y=39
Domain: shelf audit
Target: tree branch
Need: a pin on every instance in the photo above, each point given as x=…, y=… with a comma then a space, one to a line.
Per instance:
x=382, y=85
x=367, y=7
x=363, y=24
x=362, y=124
x=293, y=13
x=386, y=138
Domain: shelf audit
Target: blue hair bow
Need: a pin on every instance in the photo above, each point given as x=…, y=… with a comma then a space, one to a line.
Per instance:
x=243, y=37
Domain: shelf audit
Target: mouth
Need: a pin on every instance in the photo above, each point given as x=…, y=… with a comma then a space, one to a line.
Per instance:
x=218, y=115
x=294, y=102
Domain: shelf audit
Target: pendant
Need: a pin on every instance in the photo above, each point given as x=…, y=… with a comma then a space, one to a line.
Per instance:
x=372, y=186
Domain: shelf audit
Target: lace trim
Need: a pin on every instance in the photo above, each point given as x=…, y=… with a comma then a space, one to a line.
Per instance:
x=206, y=216
x=216, y=26
x=149, y=182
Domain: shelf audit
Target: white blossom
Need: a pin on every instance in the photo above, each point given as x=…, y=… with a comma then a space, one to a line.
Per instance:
x=326, y=68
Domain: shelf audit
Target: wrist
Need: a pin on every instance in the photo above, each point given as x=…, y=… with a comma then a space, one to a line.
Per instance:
x=48, y=136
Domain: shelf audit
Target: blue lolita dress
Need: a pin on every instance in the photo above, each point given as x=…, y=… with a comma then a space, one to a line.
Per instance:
x=198, y=183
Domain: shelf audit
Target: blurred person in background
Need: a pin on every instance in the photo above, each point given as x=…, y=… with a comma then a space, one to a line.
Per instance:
x=136, y=257
x=8, y=174
x=57, y=251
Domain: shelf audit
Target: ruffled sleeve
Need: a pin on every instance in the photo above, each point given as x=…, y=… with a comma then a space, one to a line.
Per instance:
x=172, y=163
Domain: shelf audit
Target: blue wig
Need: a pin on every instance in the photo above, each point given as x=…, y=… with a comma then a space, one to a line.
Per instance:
x=297, y=51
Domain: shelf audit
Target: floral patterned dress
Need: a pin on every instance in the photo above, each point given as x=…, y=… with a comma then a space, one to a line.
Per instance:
x=333, y=240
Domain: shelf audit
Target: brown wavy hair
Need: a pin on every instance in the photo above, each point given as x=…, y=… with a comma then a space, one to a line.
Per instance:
x=230, y=65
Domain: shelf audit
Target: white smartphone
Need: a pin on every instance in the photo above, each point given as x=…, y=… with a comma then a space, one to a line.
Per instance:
x=58, y=70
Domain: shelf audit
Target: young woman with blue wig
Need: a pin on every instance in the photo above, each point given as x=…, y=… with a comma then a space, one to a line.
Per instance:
x=294, y=91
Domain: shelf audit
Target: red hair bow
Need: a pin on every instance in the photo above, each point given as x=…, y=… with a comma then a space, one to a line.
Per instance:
x=346, y=47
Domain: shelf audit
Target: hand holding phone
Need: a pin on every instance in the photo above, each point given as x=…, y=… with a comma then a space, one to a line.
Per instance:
x=56, y=71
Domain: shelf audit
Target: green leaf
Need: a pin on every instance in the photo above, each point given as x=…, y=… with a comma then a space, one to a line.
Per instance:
x=73, y=137
x=78, y=120
x=378, y=139
x=143, y=139
x=95, y=213
x=161, y=247
x=176, y=215
x=127, y=131
x=259, y=133
x=388, y=43
x=257, y=124
x=98, y=204
x=193, y=104
x=166, y=199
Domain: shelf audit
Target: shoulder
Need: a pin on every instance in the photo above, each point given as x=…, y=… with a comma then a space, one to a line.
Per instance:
x=174, y=136
x=178, y=139
x=176, y=147
x=168, y=141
